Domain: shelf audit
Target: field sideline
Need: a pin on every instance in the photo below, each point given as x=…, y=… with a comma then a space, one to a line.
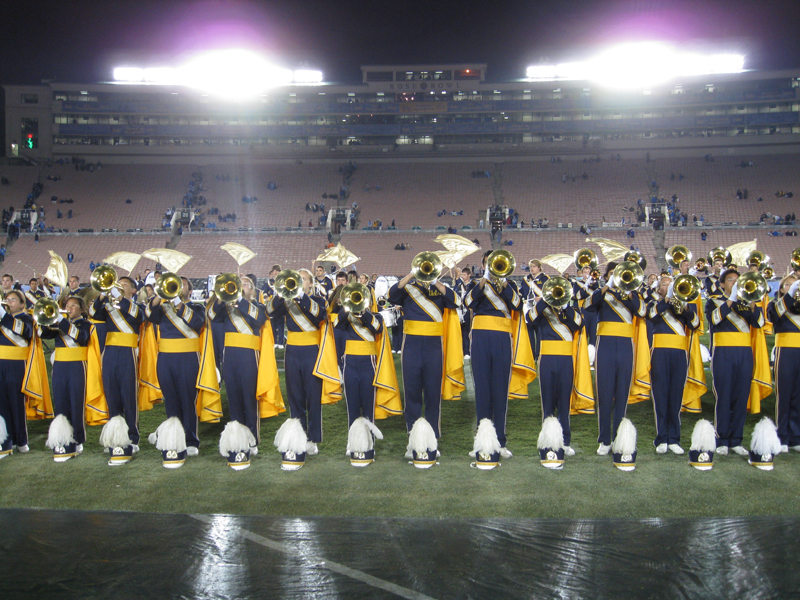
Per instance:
x=588, y=487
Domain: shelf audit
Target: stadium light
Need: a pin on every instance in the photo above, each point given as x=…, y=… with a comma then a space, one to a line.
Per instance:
x=229, y=73
x=638, y=65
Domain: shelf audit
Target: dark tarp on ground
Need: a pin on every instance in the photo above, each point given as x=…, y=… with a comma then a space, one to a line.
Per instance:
x=69, y=554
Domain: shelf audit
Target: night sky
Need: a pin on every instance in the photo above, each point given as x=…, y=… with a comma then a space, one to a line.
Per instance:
x=82, y=40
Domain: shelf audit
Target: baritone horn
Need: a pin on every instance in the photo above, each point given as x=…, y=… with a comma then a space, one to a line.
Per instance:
x=45, y=312
x=752, y=287
x=426, y=267
x=168, y=286
x=104, y=279
x=637, y=257
x=500, y=265
x=288, y=284
x=757, y=259
x=676, y=255
x=355, y=298
x=228, y=288
x=585, y=258
x=719, y=253
x=685, y=289
x=557, y=292
x=628, y=276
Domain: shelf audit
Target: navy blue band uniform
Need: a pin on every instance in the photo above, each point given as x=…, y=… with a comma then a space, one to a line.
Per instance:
x=581, y=293
x=783, y=313
x=422, y=351
x=69, y=371
x=179, y=347
x=120, y=358
x=732, y=365
x=531, y=291
x=303, y=318
x=669, y=363
x=277, y=321
x=15, y=339
x=241, y=327
x=614, y=358
x=31, y=297
x=555, y=331
x=359, y=337
x=491, y=350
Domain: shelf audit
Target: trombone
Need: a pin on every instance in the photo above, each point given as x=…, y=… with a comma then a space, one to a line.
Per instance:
x=426, y=267
x=686, y=289
x=628, y=276
x=500, y=264
x=557, y=292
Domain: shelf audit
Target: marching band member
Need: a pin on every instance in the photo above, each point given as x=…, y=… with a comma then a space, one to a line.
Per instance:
x=279, y=321
x=32, y=295
x=307, y=340
x=76, y=370
x=16, y=327
x=7, y=284
x=784, y=312
x=582, y=291
x=242, y=322
x=555, y=330
x=732, y=362
x=430, y=354
x=669, y=360
x=614, y=355
x=369, y=377
x=120, y=360
x=493, y=349
x=711, y=283
x=531, y=290
x=461, y=287
x=323, y=282
x=180, y=324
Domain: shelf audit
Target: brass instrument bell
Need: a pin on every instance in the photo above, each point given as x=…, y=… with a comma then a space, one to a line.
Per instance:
x=685, y=289
x=45, y=312
x=228, y=288
x=637, y=257
x=355, y=298
x=628, y=276
x=676, y=255
x=585, y=258
x=104, y=279
x=720, y=253
x=168, y=286
x=288, y=284
x=426, y=267
x=757, y=259
x=557, y=292
x=700, y=264
x=768, y=272
x=500, y=264
x=752, y=287
x=795, y=260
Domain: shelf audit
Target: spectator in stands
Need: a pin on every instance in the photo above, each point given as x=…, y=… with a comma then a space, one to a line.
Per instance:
x=2, y=254
x=91, y=267
x=703, y=236
x=70, y=257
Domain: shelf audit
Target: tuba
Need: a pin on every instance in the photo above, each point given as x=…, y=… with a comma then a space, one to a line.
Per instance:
x=637, y=257
x=168, y=286
x=676, y=255
x=288, y=284
x=686, y=288
x=45, y=312
x=426, y=267
x=228, y=288
x=628, y=276
x=557, y=292
x=719, y=253
x=500, y=265
x=752, y=287
x=355, y=298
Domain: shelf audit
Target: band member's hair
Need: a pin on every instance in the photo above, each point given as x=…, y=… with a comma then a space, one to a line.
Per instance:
x=485, y=256
x=341, y=274
x=535, y=263
x=32, y=279
x=78, y=279
x=610, y=267
x=80, y=302
x=19, y=295
x=352, y=275
x=8, y=275
x=189, y=283
x=467, y=270
x=276, y=268
x=253, y=279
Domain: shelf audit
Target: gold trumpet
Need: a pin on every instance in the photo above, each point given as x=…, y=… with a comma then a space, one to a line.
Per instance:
x=355, y=298
x=500, y=265
x=426, y=267
x=288, y=284
x=685, y=289
x=637, y=257
x=628, y=276
x=720, y=253
x=45, y=312
x=676, y=255
x=168, y=286
x=757, y=259
x=228, y=288
x=752, y=287
x=557, y=292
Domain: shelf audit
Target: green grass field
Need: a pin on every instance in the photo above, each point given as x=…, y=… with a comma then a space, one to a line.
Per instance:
x=588, y=487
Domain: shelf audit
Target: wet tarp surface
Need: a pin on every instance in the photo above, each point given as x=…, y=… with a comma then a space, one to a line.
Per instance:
x=69, y=554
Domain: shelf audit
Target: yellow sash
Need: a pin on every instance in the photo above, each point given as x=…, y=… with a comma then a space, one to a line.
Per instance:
x=640, y=388
x=453, y=381
x=14, y=352
x=327, y=364
x=209, y=402
x=582, y=399
x=670, y=341
x=126, y=340
x=429, y=328
x=787, y=340
x=696, y=376
x=149, y=388
x=523, y=367
x=180, y=345
x=302, y=338
x=242, y=340
x=616, y=329
x=761, y=384
x=268, y=387
x=35, y=386
x=96, y=405
x=387, y=390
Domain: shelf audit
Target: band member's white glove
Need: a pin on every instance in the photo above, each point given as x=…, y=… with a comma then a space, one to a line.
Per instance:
x=2, y=311
x=735, y=292
x=434, y=282
x=611, y=281
x=60, y=317
x=671, y=290
x=115, y=292
x=654, y=285
x=300, y=295
x=176, y=300
x=794, y=288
